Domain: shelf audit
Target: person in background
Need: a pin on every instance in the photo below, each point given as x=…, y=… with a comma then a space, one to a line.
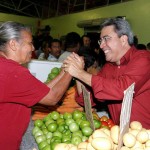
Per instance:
x=38, y=39
x=90, y=59
x=148, y=46
x=72, y=44
x=46, y=33
x=125, y=65
x=45, y=51
x=42, y=35
x=37, y=42
x=141, y=47
x=135, y=40
x=20, y=90
x=51, y=50
x=100, y=54
x=62, y=40
x=54, y=50
x=85, y=41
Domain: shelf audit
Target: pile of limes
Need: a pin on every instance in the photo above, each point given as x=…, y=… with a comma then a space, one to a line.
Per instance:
x=54, y=72
x=57, y=128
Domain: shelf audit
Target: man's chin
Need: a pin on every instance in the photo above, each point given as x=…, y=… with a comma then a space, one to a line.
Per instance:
x=108, y=59
x=28, y=60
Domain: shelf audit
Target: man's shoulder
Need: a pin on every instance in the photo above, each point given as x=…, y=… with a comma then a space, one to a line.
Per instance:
x=137, y=51
x=137, y=54
x=63, y=56
x=140, y=58
x=141, y=54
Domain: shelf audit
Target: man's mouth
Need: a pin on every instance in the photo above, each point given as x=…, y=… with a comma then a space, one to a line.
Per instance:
x=106, y=51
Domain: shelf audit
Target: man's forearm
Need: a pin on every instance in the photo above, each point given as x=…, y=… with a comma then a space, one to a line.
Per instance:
x=85, y=77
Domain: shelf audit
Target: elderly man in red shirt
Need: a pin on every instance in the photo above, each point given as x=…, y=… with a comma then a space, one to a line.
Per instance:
x=125, y=65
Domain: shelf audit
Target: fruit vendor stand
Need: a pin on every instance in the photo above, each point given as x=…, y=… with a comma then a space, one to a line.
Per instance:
x=67, y=127
x=45, y=71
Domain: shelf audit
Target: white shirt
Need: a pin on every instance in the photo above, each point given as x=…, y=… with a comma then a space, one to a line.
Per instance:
x=63, y=56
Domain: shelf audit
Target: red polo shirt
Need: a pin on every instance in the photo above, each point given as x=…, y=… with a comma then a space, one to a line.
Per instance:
x=112, y=80
x=19, y=91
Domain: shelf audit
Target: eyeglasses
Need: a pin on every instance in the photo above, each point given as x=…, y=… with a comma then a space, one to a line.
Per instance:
x=105, y=39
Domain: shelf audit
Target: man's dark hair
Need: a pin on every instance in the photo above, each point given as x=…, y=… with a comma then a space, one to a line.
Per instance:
x=72, y=39
x=52, y=41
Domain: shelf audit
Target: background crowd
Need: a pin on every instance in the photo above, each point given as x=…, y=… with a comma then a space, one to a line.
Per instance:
x=52, y=49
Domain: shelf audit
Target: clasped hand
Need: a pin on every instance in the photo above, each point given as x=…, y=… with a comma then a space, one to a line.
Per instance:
x=73, y=64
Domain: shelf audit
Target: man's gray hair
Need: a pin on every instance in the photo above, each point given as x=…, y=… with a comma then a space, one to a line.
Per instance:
x=11, y=30
x=121, y=27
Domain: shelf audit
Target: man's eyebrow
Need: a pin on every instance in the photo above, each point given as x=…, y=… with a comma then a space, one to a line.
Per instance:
x=104, y=36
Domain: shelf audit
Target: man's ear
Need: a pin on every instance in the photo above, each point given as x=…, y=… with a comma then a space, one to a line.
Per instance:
x=13, y=44
x=124, y=39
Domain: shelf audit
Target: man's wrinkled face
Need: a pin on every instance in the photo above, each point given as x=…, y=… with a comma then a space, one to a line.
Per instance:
x=111, y=44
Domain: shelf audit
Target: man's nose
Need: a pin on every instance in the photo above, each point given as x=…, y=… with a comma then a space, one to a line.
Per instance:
x=102, y=44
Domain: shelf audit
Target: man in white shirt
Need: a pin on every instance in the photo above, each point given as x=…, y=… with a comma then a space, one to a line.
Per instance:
x=72, y=44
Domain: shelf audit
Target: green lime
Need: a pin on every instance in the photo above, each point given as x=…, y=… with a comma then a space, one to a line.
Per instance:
x=76, y=140
x=49, y=135
x=45, y=131
x=38, y=123
x=67, y=115
x=61, y=128
x=55, y=115
x=57, y=134
x=55, y=70
x=51, y=76
x=38, y=133
x=49, y=122
x=97, y=123
x=42, y=144
x=60, y=121
x=35, y=129
x=46, y=118
x=47, y=147
x=84, y=123
x=40, y=138
x=52, y=127
x=87, y=131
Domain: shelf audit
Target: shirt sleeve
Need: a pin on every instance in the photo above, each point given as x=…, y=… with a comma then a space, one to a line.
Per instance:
x=110, y=84
x=24, y=88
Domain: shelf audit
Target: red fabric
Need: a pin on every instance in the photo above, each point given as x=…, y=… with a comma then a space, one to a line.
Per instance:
x=112, y=80
x=19, y=91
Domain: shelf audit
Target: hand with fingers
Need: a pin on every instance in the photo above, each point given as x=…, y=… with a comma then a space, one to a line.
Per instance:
x=74, y=64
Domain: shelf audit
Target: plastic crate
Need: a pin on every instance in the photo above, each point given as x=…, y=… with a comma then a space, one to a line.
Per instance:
x=40, y=69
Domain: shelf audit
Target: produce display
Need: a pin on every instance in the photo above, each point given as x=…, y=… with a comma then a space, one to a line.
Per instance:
x=70, y=128
x=66, y=127
x=138, y=138
x=67, y=103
